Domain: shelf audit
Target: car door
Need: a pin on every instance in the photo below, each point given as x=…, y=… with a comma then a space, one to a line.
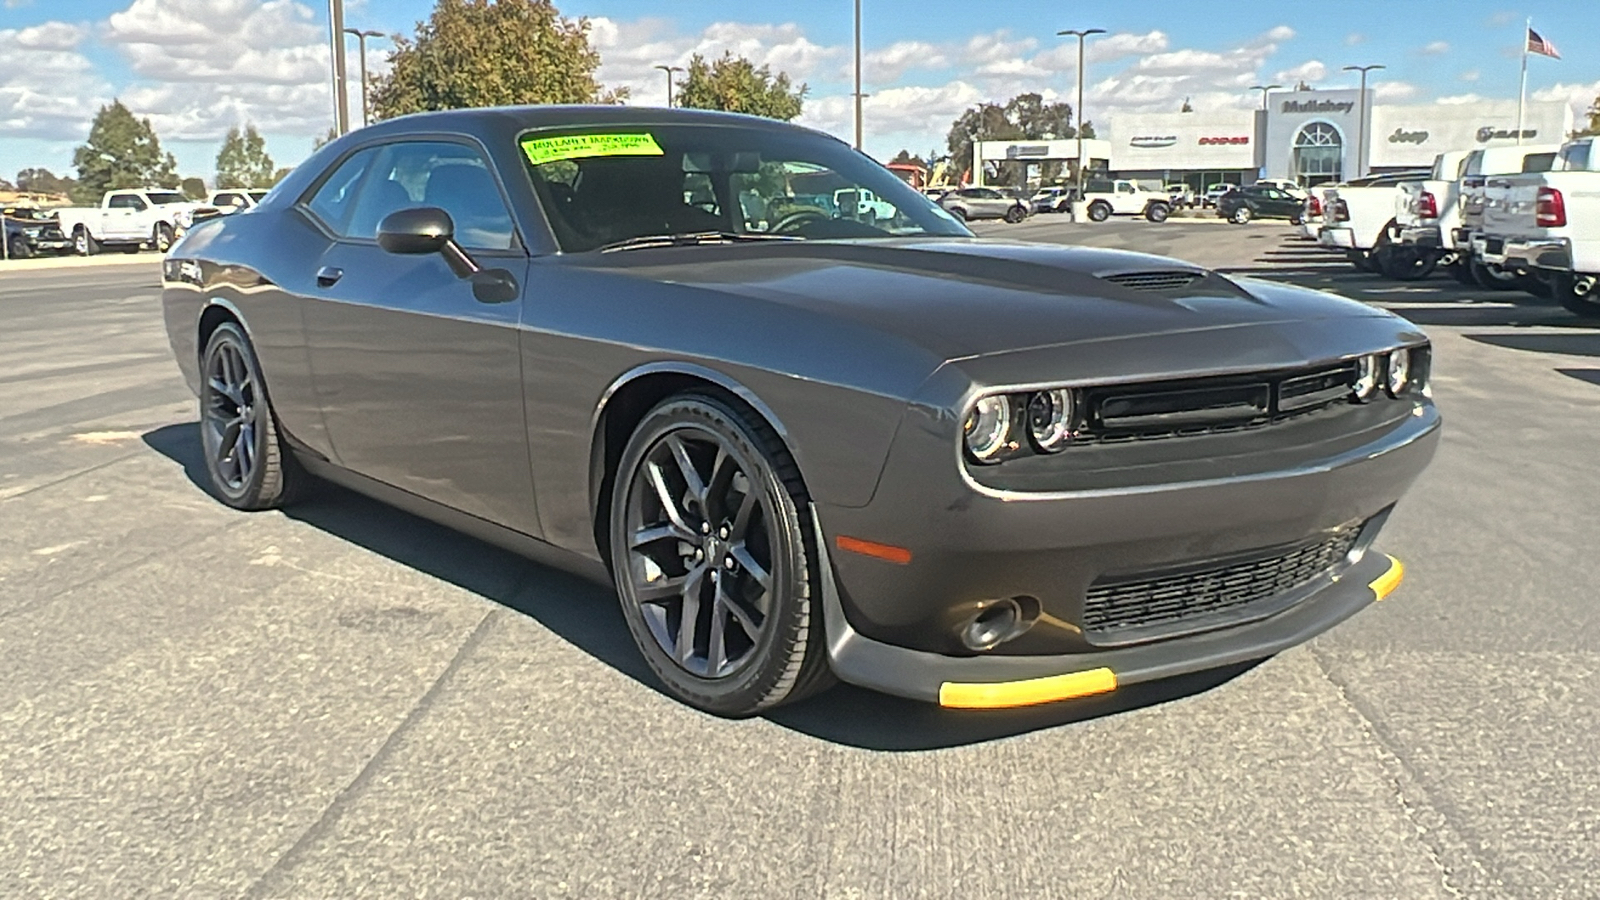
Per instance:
x=418, y=376
x=992, y=202
x=121, y=217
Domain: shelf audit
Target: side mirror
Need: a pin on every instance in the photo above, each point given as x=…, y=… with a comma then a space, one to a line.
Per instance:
x=425, y=229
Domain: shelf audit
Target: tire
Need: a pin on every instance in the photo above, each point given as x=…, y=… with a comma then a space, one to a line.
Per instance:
x=1538, y=287
x=1099, y=211
x=1295, y=220
x=18, y=248
x=1157, y=212
x=1461, y=271
x=253, y=469
x=1241, y=216
x=1586, y=307
x=658, y=513
x=131, y=248
x=1405, y=263
x=83, y=243
x=1491, y=279
x=161, y=237
x=1016, y=214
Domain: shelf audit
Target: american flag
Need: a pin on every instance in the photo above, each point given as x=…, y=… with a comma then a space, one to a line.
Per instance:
x=1539, y=45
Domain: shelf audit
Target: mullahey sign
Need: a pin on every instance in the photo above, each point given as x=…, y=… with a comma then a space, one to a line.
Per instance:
x=1318, y=106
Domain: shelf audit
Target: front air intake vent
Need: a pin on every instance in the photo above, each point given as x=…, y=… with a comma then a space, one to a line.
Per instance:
x=1155, y=281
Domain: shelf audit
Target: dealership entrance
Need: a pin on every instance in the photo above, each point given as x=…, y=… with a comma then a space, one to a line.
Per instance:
x=1318, y=154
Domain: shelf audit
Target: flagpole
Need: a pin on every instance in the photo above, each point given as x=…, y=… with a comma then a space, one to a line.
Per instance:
x=1522, y=92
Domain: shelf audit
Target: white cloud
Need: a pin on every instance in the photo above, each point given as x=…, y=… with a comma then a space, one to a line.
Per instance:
x=1354, y=38
x=1580, y=95
x=1394, y=90
x=1460, y=100
x=1501, y=19
x=48, y=88
x=1311, y=71
x=1436, y=48
x=1471, y=75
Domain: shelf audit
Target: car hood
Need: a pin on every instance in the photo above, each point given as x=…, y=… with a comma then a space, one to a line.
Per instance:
x=960, y=298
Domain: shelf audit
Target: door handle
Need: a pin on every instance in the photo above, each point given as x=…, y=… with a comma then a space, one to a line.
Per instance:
x=328, y=276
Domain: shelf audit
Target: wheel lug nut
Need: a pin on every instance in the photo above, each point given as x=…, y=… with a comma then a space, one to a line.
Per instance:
x=729, y=563
x=705, y=527
x=723, y=532
x=699, y=555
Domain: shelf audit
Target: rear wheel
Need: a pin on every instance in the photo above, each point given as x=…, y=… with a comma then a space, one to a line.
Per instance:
x=1563, y=286
x=1099, y=211
x=250, y=468
x=1492, y=278
x=1406, y=263
x=715, y=560
x=1461, y=271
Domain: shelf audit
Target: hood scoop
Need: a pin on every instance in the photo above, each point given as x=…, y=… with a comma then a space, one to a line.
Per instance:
x=1174, y=280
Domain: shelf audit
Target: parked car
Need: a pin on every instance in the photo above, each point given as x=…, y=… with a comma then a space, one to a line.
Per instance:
x=1256, y=202
x=30, y=232
x=1104, y=199
x=128, y=220
x=972, y=203
x=1479, y=167
x=980, y=474
x=1051, y=200
x=1181, y=196
x=1359, y=218
x=1430, y=214
x=1283, y=184
x=859, y=203
x=236, y=199
x=1546, y=225
x=1214, y=193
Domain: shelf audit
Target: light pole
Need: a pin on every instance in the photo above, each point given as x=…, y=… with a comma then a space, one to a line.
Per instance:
x=341, y=116
x=361, y=42
x=669, y=70
x=1080, y=35
x=1263, y=88
x=858, y=94
x=1361, y=123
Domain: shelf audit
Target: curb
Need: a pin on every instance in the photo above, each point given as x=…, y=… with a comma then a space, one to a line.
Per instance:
x=79, y=262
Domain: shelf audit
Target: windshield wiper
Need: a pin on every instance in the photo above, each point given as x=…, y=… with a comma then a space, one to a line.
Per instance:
x=694, y=239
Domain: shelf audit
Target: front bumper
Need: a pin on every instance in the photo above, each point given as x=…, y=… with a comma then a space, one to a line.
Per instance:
x=1554, y=254
x=1337, y=237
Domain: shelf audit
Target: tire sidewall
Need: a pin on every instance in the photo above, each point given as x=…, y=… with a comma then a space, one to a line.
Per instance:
x=1099, y=212
x=1241, y=216
x=1158, y=212
x=757, y=685
x=248, y=495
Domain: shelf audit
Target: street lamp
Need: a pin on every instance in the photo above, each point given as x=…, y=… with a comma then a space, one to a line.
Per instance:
x=361, y=41
x=341, y=116
x=1080, y=35
x=669, y=70
x=858, y=95
x=1263, y=88
x=1361, y=123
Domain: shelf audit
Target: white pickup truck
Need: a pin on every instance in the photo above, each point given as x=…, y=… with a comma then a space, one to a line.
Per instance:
x=1430, y=214
x=1104, y=199
x=1479, y=167
x=1359, y=218
x=1547, y=225
x=128, y=220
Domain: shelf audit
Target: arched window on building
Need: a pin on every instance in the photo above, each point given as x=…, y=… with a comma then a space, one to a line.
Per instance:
x=1318, y=154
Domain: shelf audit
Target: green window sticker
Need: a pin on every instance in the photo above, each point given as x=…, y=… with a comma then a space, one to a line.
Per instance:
x=583, y=146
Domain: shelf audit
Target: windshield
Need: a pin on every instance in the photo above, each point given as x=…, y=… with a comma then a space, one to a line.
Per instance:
x=163, y=198
x=600, y=187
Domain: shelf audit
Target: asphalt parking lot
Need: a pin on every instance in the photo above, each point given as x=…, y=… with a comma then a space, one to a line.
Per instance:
x=341, y=700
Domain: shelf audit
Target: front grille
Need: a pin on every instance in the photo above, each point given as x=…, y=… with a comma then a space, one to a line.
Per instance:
x=1155, y=281
x=1176, y=601
x=1209, y=405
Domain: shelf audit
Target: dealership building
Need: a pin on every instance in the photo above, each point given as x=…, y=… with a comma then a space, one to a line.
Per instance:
x=1305, y=136
x=1316, y=136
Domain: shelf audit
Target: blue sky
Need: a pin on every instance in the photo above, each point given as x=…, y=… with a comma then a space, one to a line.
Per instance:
x=195, y=67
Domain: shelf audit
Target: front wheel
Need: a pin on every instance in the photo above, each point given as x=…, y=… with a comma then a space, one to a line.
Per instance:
x=19, y=248
x=1099, y=211
x=1158, y=212
x=715, y=560
x=83, y=243
x=1015, y=214
x=248, y=465
x=161, y=237
x=1241, y=216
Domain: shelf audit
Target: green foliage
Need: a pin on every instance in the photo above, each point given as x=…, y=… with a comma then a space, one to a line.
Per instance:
x=278, y=176
x=193, y=188
x=322, y=139
x=43, y=181
x=122, y=152
x=904, y=156
x=243, y=161
x=1593, y=128
x=734, y=84
x=1025, y=117
x=474, y=53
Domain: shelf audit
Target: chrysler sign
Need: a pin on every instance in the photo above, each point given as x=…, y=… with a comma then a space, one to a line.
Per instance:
x=1152, y=142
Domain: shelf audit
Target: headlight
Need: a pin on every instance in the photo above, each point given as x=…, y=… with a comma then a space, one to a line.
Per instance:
x=988, y=427
x=1050, y=419
x=1366, y=377
x=1399, y=372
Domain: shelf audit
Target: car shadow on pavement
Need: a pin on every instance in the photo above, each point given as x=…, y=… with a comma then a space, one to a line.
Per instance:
x=586, y=615
x=1583, y=343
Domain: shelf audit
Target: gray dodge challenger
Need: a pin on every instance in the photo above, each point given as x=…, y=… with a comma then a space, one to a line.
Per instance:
x=807, y=424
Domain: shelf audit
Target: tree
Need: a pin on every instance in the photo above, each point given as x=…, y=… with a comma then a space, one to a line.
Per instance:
x=734, y=84
x=122, y=152
x=318, y=142
x=43, y=181
x=1025, y=117
x=904, y=156
x=1186, y=106
x=243, y=161
x=481, y=53
x=1593, y=128
x=278, y=176
x=1039, y=120
x=193, y=188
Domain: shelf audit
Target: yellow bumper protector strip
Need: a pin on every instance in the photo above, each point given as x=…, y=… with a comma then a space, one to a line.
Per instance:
x=583, y=146
x=1385, y=584
x=1027, y=693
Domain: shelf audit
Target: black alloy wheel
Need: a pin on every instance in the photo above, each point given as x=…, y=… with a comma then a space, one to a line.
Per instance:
x=249, y=467
x=714, y=558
